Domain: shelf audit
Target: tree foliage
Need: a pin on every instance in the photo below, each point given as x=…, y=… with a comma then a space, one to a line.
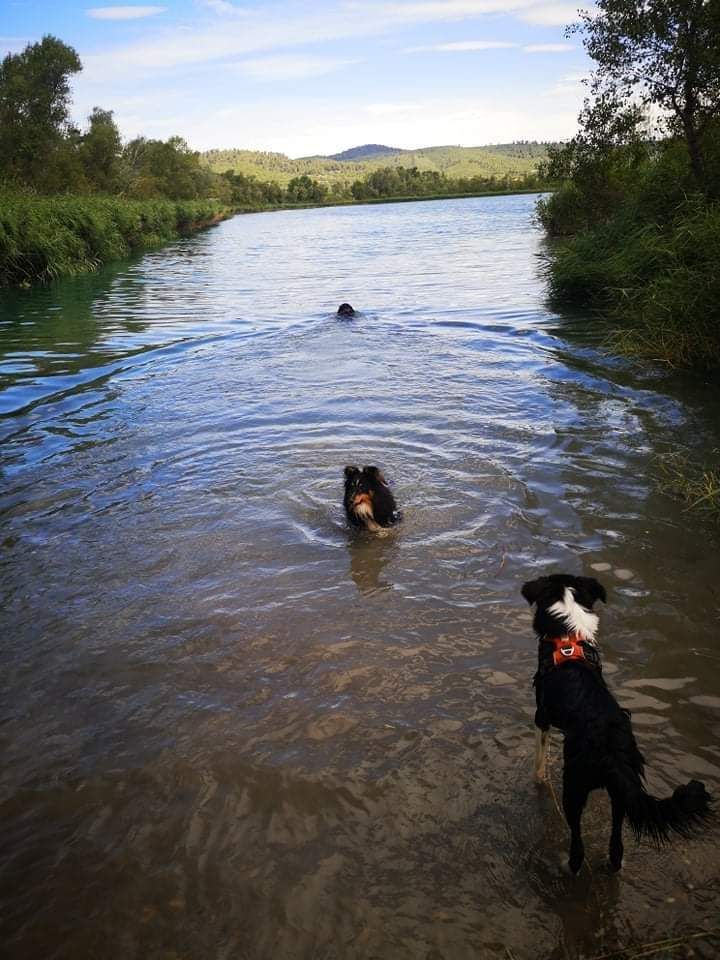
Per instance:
x=34, y=104
x=664, y=56
x=100, y=151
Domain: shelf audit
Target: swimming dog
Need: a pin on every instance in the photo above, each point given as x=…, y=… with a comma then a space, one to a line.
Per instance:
x=599, y=747
x=368, y=500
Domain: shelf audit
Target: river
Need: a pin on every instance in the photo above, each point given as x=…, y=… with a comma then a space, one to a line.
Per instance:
x=230, y=727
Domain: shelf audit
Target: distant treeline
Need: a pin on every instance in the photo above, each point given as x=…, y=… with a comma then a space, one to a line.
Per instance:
x=387, y=183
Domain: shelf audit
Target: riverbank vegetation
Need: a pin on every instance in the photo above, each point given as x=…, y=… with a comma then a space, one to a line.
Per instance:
x=636, y=221
x=697, y=484
x=71, y=199
x=42, y=238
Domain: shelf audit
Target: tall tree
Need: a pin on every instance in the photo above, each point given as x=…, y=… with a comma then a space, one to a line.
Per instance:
x=100, y=151
x=664, y=54
x=34, y=105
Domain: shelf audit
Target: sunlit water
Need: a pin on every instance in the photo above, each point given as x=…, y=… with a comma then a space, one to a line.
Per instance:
x=233, y=729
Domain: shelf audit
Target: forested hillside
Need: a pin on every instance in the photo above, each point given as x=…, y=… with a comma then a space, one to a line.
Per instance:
x=513, y=160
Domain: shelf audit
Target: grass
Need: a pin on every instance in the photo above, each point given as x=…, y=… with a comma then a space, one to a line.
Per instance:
x=658, y=283
x=42, y=238
x=661, y=948
x=697, y=485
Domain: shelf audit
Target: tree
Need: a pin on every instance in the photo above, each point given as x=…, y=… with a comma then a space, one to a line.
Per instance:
x=34, y=104
x=305, y=190
x=664, y=54
x=100, y=150
x=157, y=168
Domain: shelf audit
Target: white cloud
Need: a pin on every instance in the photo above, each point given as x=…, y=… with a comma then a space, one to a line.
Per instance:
x=277, y=27
x=569, y=86
x=291, y=67
x=462, y=46
x=123, y=13
x=550, y=14
x=549, y=48
x=325, y=128
x=391, y=109
x=219, y=6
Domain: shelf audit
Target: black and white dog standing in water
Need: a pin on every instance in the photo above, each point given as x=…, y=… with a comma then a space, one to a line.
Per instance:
x=599, y=749
x=368, y=500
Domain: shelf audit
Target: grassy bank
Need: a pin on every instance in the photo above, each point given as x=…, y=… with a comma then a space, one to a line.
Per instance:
x=655, y=283
x=42, y=238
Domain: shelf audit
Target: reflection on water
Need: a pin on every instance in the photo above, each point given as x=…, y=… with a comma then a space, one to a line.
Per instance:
x=233, y=728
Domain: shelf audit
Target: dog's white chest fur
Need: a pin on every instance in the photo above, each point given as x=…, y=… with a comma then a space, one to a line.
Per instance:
x=578, y=619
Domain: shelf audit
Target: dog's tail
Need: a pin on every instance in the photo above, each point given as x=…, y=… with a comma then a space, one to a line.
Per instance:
x=682, y=813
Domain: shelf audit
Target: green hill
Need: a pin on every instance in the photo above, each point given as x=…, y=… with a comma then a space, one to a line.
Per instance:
x=498, y=160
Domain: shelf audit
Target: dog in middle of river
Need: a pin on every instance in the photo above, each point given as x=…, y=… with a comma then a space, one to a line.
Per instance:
x=368, y=500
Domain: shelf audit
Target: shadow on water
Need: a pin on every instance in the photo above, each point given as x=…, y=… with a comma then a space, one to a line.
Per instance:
x=369, y=556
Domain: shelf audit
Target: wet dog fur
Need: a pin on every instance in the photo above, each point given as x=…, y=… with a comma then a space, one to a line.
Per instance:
x=368, y=500
x=599, y=749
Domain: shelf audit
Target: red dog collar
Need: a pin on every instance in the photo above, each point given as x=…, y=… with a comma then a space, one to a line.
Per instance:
x=567, y=648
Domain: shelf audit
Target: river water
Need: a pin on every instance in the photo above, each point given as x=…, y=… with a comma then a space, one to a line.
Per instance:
x=230, y=727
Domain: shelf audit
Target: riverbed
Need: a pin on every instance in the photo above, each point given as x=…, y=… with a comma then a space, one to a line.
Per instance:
x=233, y=728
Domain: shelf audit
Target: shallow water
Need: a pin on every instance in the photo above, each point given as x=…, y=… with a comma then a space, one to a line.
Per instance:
x=231, y=728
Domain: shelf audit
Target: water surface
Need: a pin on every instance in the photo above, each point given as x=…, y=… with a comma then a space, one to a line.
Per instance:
x=233, y=729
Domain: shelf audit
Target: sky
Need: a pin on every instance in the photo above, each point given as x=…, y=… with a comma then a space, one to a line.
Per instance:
x=319, y=77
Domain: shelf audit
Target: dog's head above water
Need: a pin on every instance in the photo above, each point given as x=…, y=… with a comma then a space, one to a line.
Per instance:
x=564, y=604
x=368, y=500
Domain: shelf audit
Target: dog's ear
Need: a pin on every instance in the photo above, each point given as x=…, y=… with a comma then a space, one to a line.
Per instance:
x=595, y=590
x=375, y=473
x=532, y=590
x=350, y=471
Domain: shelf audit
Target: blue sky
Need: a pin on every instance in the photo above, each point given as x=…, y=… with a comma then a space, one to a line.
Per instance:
x=318, y=77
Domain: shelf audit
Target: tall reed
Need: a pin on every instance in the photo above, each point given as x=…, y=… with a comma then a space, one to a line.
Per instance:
x=42, y=238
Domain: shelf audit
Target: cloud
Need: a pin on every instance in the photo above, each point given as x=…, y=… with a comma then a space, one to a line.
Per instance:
x=123, y=13
x=549, y=48
x=570, y=86
x=275, y=27
x=391, y=109
x=550, y=14
x=463, y=46
x=312, y=126
x=291, y=67
x=224, y=8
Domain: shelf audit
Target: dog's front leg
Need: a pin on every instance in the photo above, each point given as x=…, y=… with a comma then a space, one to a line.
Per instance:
x=541, y=739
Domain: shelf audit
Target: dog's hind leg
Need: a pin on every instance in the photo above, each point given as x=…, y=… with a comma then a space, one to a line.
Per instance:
x=574, y=799
x=616, y=844
x=541, y=739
